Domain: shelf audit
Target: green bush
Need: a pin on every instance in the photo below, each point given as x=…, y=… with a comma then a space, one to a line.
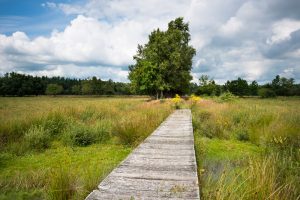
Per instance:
x=226, y=96
x=37, y=137
x=266, y=93
x=242, y=135
x=84, y=135
x=79, y=135
x=54, y=123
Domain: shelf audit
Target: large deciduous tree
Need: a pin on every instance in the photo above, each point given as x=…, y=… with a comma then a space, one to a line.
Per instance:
x=164, y=63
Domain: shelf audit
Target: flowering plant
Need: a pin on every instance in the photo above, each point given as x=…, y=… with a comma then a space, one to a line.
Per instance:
x=177, y=100
x=194, y=99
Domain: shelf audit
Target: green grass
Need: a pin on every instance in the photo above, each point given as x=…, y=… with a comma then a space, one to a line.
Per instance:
x=61, y=148
x=248, y=148
x=218, y=149
x=86, y=166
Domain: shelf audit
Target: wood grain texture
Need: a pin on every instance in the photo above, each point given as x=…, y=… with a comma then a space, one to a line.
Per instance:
x=162, y=167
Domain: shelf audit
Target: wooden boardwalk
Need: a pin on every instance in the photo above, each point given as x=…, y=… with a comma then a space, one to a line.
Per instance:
x=162, y=167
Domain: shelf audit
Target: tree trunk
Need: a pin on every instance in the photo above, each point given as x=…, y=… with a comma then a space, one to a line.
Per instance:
x=156, y=95
x=161, y=94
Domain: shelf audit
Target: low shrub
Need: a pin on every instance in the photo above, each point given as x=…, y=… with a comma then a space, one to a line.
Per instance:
x=38, y=138
x=84, y=135
x=78, y=135
x=226, y=96
x=242, y=135
x=54, y=123
x=266, y=93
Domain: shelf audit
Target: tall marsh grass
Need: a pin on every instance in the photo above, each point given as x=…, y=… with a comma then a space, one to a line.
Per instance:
x=63, y=147
x=259, y=178
x=134, y=127
x=269, y=126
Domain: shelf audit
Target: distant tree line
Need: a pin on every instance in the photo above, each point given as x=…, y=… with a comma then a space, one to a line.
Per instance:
x=15, y=84
x=279, y=86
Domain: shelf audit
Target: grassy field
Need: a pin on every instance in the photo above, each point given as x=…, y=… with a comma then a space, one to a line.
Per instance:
x=248, y=148
x=61, y=148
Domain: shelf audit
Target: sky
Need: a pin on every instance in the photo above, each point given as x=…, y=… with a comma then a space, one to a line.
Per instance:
x=251, y=39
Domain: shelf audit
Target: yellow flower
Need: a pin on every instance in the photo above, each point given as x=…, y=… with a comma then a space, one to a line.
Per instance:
x=176, y=99
x=195, y=98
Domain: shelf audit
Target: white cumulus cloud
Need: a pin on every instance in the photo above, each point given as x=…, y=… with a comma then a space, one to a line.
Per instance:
x=251, y=39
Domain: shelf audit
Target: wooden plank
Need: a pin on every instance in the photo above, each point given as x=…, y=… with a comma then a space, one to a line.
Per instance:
x=162, y=167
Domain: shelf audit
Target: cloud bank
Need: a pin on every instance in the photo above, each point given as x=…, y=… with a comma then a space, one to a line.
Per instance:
x=255, y=40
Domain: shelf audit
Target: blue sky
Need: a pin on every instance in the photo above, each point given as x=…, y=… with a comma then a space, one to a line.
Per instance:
x=31, y=16
x=252, y=39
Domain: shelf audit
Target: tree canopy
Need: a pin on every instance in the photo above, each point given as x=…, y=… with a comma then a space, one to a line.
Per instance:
x=208, y=86
x=163, y=65
x=238, y=87
x=283, y=86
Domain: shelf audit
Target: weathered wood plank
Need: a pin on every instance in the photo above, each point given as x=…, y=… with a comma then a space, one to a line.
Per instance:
x=162, y=167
